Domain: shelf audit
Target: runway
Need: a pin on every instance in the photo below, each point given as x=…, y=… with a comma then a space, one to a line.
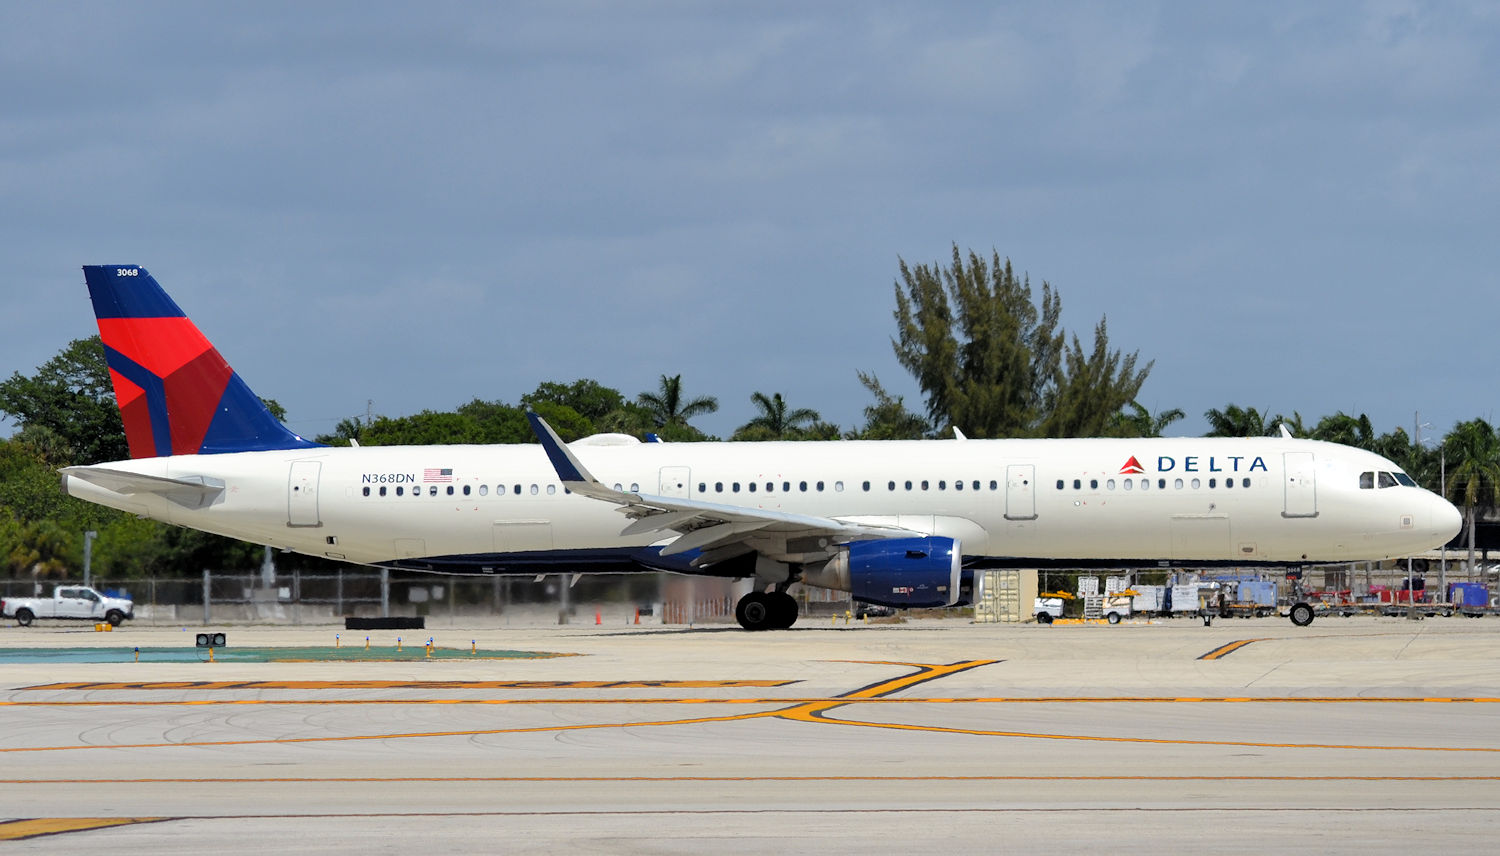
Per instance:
x=1351, y=735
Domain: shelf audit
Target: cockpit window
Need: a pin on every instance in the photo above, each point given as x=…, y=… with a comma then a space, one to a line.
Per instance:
x=1387, y=480
x=1366, y=481
x=1406, y=480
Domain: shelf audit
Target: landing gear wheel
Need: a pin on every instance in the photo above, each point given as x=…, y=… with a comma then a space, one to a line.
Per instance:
x=1301, y=615
x=783, y=610
x=755, y=611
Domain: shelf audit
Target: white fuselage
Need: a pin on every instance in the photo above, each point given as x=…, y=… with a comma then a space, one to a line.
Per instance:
x=1095, y=500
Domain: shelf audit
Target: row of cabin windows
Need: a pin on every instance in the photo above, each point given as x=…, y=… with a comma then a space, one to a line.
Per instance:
x=465, y=490
x=719, y=487
x=1145, y=484
x=838, y=486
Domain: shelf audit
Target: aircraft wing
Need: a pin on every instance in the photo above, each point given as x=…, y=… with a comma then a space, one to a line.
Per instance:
x=191, y=492
x=720, y=531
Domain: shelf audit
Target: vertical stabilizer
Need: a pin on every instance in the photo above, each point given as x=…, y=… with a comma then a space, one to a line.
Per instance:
x=176, y=395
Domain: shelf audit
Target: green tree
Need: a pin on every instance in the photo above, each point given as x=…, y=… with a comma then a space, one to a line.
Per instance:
x=775, y=421
x=1346, y=430
x=589, y=398
x=1137, y=421
x=71, y=396
x=1235, y=421
x=888, y=418
x=996, y=364
x=668, y=407
x=1473, y=453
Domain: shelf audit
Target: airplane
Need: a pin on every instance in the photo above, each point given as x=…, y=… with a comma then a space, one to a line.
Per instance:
x=897, y=523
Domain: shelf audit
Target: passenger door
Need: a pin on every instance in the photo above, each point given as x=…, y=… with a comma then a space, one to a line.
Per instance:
x=1020, y=492
x=302, y=494
x=1301, y=498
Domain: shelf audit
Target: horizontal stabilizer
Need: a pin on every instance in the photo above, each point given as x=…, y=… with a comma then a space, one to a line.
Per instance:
x=191, y=492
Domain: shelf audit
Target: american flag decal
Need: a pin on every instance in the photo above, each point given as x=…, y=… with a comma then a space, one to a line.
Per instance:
x=434, y=474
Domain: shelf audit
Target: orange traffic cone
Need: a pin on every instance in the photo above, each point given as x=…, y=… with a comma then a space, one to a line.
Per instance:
x=598, y=617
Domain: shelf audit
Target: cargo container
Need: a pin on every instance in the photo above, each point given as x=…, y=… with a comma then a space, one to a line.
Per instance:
x=1468, y=594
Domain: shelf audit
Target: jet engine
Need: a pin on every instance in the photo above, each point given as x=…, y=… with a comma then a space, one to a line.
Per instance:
x=902, y=572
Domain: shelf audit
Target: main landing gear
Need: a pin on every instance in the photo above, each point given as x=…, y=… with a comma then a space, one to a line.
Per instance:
x=761, y=610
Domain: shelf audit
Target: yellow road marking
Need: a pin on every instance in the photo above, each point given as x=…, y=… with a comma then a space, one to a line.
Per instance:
x=812, y=711
x=843, y=700
x=1225, y=650
x=16, y=830
x=649, y=779
x=408, y=685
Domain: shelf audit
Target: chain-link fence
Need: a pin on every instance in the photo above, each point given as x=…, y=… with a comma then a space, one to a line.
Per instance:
x=297, y=598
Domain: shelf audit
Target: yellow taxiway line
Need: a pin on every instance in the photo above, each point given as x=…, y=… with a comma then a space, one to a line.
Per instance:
x=815, y=711
x=17, y=830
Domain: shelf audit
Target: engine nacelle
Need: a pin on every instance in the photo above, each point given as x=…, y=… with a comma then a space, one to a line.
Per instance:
x=900, y=572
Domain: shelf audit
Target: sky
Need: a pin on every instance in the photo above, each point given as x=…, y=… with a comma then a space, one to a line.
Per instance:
x=392, y=207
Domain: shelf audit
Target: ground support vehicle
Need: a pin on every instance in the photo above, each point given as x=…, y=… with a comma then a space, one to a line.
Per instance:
x=79, y=603
x=1048, y=606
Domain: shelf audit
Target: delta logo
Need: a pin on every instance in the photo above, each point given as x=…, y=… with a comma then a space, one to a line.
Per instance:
x=1198, y=464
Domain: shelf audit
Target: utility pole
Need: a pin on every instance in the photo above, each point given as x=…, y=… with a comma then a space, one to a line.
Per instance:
x=88, y=556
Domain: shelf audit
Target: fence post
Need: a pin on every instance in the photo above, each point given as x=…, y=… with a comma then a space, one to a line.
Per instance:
x=385, y=592
x=207, y=607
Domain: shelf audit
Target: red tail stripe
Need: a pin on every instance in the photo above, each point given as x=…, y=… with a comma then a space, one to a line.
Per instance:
x=158, y=345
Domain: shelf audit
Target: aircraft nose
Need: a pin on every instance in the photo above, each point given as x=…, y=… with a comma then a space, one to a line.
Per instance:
x=1444, y=519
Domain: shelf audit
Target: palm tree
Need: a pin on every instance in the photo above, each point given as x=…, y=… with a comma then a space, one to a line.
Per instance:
x=1473, y=452
x=667, y=407
x=1233, y=421
x=774, y=421
x=1138, y=421
x=1346, y=430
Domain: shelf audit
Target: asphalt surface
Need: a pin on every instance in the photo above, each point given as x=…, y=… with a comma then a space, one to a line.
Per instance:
x=1352, y=735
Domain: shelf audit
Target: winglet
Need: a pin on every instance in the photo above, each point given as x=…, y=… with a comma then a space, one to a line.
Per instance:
x=568, y=467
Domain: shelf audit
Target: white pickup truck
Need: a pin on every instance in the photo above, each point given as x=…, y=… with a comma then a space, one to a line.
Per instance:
x=76, y=602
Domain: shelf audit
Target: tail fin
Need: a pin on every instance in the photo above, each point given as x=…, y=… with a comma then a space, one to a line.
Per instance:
x=176, y=395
